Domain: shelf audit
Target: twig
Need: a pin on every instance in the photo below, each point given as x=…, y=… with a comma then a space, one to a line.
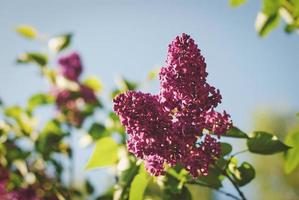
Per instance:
x=239, y=152
x=223, y=172
x=216, y=189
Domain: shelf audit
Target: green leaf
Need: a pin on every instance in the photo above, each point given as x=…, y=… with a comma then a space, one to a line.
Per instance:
x=292, y=155
x=93, y=83
x=60, y=42
x=39, y=99
x=269, y=18
x=89, y=188
x=138, y=186
x=23, y=119
x=236, y=3
x=225, y=149
x=265, y=143
x=13, y=111
x=33, y=57
x=247, y=173
x=213, y=179
x=50, y=138
x=27, y=31
x=295, y=7
x=185, y=194
x=271, y=7
x=290, y=28
x=15, y=153
x=235, y=133
x=104, y=154
x=124, y=84
x=98, y=131
x=265, y=24
x=153, y=74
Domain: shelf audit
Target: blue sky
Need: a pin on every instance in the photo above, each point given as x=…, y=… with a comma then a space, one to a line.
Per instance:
x=130, y=37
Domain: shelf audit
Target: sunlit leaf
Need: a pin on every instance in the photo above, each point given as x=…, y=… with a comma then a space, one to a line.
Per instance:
x=93, y=83
x=33, y=57
x=236, y=3
x=235, y=133
x=13, y=111
x=24, y=120
x=59, y=43
x=271, y=7
x=269, y=18
x=104, y=154
x=153, y=74
x=265, y=143
x=39, y=99
x=138, y=186
x=264, y=23
x=27, y=31
x=292, y=155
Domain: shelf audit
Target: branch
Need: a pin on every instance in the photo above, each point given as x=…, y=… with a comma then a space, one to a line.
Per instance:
x=216, y=189
x=223, y=172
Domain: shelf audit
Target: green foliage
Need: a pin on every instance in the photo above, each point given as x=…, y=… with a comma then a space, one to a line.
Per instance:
x=50, y=139
x=265, y=143
x=174, y=185
x=123, y=86
x=236, y=3
x=213, y=179
x=246, y=174
x=60, y=42
x=138, y=185
x=89, y=187
x=27, y=31
x=104, y=154
x=271, y=7
x=265, y=24
x=14, y=152
x=38, y=100
x=98, y=131
x=292, y=156
x=25, y=123
x=33, y=57
x=93, y=83
x=236, y=133
x=272, y=11
x=225, y=149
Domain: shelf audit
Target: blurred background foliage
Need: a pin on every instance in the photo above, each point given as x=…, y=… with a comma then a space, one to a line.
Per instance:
x=275, y=178
x=272, y=12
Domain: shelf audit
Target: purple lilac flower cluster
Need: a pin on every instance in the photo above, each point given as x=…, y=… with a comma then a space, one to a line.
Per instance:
x=168, y=128
x=71, y=66
x=70, y=101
